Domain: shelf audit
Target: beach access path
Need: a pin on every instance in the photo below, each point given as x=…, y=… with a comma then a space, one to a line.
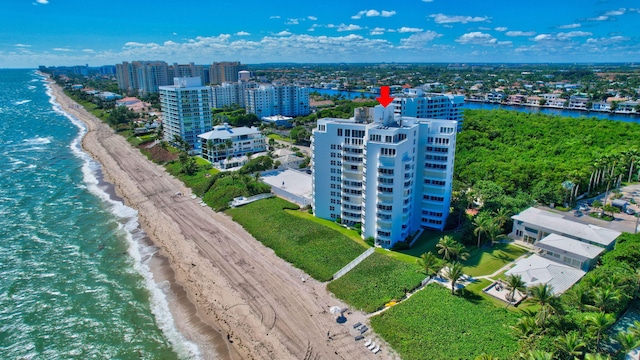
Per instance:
x=240, y=288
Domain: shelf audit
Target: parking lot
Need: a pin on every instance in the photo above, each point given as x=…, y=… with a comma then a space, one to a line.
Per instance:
x=622, y=222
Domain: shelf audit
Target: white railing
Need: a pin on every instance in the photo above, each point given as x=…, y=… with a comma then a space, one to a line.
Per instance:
x=354, y=263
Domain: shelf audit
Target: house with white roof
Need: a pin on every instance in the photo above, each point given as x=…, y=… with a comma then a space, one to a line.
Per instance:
x=569, y=251
x=533, y=224
x=226, y=143
x=566, y=249
x=536, y=270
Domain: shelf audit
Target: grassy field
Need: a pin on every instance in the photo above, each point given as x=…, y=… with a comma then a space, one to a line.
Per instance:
x=433, y=324
x=483, y=261
x=316, y=249
x=279, y=138
x=350, y=233
x=486, y=261
x=376, y=281
x=199, y=181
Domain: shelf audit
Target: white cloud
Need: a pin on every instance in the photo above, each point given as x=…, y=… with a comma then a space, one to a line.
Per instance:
x=90, y=51
x=520, y=33
x=562, y=36
x=283, y=33
x=274, y=17
x=373, y=13
x=242, y=33
x=606, y=41
x=405, y=29
x=43, y=2
x=22, y=45
x=419, y=40
x=479, y=38
x=569, y=26
x=377, y=31
x=61, y=49
x=572, y=34
x=350, y=27
x=618, y=12
x=427, y=1
x=543, y=37
x=446, y=19
x=292, y=22
x=312, y=18
x=600, y=18
x=500, y=28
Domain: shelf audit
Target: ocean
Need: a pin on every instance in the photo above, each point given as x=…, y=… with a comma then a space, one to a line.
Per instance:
x=75, y=280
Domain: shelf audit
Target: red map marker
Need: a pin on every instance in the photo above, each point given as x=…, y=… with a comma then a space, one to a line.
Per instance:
x=384, y=98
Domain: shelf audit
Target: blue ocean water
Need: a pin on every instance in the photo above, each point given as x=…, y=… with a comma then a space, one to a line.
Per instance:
x=74, y=279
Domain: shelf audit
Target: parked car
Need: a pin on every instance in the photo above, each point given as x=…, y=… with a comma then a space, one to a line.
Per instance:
x=584, y=207
x=630, y=211
x=577, y=213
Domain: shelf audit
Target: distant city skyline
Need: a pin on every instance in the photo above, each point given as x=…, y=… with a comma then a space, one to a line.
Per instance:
x=73, y=32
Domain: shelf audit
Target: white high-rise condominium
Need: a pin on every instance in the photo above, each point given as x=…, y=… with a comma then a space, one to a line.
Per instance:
x=393, y=176
x=424, y=105
x=186, y=110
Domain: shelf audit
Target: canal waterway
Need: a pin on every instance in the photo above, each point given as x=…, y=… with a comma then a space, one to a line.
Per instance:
x=491, y=106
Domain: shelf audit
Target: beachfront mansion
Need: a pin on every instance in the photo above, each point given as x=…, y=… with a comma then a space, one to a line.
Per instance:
x=393, y=175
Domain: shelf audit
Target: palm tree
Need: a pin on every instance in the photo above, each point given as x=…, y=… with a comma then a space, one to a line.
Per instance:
x=459, y=252
x=494, y=232
x=430, y=263
x=514, y=283
x=627, y=340
x=537, y=355
x=482, y=224
x=445, y=245
x=598, y=323
x=570, y=344
x=597, y=357
x=229, y=145
x=453, y=273
x=502, y=216
x=633, y=156
x=579, y=296
x=525, y=327
x=486, y=357
x=541, y=294
x=604, y=298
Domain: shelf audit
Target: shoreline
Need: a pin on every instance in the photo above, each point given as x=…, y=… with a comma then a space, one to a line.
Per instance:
x=236, y=286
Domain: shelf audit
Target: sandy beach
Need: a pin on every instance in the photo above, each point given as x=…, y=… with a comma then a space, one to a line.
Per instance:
x=238, y=299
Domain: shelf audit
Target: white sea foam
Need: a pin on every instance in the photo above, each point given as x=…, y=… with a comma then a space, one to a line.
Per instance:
x=129, y=225
x=37, y=141
x=21, y=102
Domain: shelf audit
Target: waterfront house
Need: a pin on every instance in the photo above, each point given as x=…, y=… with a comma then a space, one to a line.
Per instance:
x=226, y=143
x=578, y=103
x=533, y=225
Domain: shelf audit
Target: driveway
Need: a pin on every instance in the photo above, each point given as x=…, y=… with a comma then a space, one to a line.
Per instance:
x=623, y=222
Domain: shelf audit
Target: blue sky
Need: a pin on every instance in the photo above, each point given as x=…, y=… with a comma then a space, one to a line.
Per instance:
x=71, y=32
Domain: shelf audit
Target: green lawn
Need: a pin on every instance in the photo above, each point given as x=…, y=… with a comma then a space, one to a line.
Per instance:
x=483, y=261
x=425, y=243
x=433, y=324
x=199, y=181
x=278, y=137
x=486, y=261
x=350, y=233
x=376, y=281
x=316, y=249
